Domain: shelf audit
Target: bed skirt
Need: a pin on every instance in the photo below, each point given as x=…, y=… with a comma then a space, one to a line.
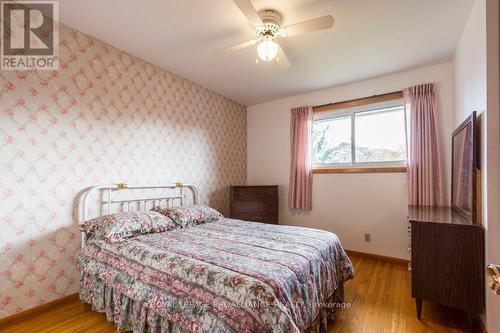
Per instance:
x=130, y=315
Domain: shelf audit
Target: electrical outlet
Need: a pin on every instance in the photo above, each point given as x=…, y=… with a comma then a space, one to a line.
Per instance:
x=368, y=237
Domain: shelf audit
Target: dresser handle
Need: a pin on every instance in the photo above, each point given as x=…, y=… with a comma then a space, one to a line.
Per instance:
x=409, y=266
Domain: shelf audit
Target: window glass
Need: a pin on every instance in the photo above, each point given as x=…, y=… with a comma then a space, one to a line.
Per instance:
x=332, y=140
x=380, y=135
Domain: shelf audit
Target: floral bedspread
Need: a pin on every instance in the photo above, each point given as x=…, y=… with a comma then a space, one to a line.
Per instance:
x=225, y=276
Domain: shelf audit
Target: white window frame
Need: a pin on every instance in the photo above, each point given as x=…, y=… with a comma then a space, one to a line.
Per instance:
x=351, y=112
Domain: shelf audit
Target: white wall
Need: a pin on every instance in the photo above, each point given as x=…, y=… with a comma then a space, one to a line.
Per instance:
x=347, y=204
x=470, y=65
x=476, y=88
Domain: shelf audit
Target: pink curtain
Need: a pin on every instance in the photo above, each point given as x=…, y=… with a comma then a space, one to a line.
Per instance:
x=425, y=173
x=300, y=187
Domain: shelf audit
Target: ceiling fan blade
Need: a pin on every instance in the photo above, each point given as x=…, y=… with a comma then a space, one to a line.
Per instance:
x=248, y=9
x=282, y=59
x=321, y=23
x=239, y=46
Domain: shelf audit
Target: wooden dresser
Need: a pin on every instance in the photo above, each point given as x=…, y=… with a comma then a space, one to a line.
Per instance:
x=255, y=203
x=447, y=259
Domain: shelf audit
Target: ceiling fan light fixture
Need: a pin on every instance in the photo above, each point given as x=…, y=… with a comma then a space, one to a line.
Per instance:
x=267, y=25
x=267, y=50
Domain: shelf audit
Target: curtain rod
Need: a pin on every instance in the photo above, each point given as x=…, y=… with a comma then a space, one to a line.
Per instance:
x=359, y=99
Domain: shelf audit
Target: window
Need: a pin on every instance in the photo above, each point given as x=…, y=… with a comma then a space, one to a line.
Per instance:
x=365, y=136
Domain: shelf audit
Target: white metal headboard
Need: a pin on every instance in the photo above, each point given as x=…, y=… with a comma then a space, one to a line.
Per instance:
x=108, y=203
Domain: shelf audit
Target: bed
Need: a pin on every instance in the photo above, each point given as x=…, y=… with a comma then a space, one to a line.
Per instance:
x=223, y=276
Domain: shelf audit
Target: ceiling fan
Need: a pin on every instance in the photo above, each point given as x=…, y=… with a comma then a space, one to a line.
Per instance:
x=267, y=25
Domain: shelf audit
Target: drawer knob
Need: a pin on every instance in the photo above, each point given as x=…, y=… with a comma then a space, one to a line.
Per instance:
x=493, y=274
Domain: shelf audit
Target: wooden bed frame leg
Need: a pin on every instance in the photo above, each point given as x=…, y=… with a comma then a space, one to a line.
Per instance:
x=419, y=308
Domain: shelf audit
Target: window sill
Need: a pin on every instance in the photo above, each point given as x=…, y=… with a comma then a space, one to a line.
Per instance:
x=361, y=170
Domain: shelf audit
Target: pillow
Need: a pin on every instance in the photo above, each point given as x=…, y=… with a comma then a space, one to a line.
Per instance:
x=120, y=226
x=185, y=216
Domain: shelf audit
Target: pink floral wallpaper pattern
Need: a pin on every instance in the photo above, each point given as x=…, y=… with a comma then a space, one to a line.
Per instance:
x=104, y=117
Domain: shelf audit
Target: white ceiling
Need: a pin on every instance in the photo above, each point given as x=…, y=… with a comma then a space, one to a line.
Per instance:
x=370, y=38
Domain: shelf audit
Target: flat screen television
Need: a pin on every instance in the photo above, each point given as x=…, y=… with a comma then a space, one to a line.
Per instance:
x=464, y=168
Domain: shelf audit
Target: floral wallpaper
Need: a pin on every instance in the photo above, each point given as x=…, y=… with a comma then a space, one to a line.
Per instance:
x=104, y=117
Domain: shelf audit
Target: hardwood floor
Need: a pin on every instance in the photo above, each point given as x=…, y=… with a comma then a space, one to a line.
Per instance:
x=380, y=298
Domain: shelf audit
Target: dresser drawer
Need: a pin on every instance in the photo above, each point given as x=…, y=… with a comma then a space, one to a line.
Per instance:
x=263, y=194
x=256, y=217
